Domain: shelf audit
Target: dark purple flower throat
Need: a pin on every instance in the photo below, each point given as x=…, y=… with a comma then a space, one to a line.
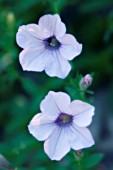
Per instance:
x=64, y=119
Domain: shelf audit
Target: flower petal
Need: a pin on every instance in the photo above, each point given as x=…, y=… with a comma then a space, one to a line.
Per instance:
x=53, y=24
x=48, y=106
x=24, y=39
x=62, y=101
x=59, y=67
x=41, y=127
x=70, y=48
x=79, y=137
x=57, y=145
x=55, y=103
x=34, y=59
x=60, y=28
x=82, y=113
x=37, y=31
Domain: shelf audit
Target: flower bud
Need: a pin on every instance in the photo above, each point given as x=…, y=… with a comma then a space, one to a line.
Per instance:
x=85, y=82
x=10, y=18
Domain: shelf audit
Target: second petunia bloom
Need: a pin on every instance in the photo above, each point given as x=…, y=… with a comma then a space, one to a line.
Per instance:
x=47, y=46
x=62, y=124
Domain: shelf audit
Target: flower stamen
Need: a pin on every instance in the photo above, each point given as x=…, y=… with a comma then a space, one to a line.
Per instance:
x=53, y=42
x=63, y=119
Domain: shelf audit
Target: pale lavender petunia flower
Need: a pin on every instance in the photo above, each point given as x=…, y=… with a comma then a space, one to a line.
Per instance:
x=62, y=124
x=47, y=46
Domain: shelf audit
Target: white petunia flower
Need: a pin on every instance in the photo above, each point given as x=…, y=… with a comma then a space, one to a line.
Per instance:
x=47, y=46
x=62, y=124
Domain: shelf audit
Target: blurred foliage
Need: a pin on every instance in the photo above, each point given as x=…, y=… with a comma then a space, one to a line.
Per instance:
x=91, y=21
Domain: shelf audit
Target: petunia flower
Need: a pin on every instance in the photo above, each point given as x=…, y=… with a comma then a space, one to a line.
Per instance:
x=47, y=46
x=62, y=124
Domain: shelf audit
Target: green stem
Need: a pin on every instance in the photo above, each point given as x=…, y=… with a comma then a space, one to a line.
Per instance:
x=82, y=93
x=78, y=157
x=79, y=165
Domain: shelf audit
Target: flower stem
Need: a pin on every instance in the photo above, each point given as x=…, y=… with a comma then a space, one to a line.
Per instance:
x=79, y=165
x=78, y=157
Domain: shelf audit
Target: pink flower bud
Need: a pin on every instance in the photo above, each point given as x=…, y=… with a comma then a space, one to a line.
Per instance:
x=85, y=82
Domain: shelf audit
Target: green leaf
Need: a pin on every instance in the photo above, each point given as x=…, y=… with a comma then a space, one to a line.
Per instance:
x=89, y=91
x=92, y=160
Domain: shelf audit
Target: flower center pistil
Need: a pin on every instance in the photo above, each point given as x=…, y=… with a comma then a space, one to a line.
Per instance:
x=52, y=42
x=64, y=119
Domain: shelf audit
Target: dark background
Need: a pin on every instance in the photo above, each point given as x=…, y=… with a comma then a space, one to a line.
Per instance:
x=91, y=22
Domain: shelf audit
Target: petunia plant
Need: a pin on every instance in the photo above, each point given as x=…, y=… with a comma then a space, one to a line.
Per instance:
x=64, y=116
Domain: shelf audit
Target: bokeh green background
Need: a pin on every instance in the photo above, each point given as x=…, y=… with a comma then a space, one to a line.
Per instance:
x=91, y=22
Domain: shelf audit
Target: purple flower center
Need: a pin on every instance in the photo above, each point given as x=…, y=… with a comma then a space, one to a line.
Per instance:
x=52, y=42
x=64, y=119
